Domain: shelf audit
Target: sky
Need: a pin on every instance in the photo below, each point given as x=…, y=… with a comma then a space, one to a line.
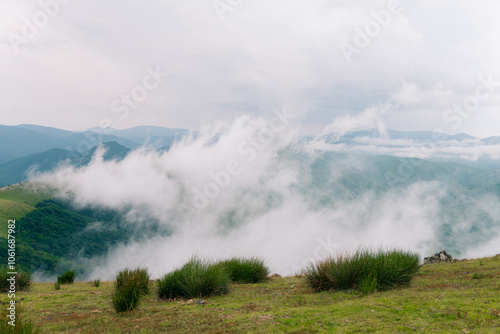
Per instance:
x=412, y=65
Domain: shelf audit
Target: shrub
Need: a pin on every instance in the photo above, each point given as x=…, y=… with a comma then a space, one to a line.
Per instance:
x=364, y=270
x=196, y=278
x=242, y=270
x=57, y=285
x=96, y=282
x=21, y=325
x=130, y=287
x=67, y=278
x=23, y=279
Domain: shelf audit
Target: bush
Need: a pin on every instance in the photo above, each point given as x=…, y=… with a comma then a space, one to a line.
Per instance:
x=23, y=279
x=97, y=282
x=196, y=278
x=21, y=326
x=364, y=270
x=130, y=287
x=242, y=270
x=67, y=278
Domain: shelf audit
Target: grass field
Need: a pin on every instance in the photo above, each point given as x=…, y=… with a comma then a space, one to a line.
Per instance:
x=461, y=297
x=16, y=201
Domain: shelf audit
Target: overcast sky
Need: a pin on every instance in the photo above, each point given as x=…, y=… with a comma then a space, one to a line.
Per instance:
x=88, y=63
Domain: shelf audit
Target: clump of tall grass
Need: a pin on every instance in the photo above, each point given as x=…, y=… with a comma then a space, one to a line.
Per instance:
x=365, y=270
x=96, y=282
x=139, y=277
x=22, y=326
x=22, y=279
x=252, y=270
x=196, y=278
x=67, y=278
x=130, y=287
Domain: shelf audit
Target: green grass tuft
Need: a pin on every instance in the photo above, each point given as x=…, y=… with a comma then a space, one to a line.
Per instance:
x=138, y=277
x=364, y=270
x=67, y=278
x=196, y=278
x=130, y=287
x=252, y=270
x=96, y=282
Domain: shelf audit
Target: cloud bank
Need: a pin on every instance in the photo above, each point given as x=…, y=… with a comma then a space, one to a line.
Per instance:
x=250, y=187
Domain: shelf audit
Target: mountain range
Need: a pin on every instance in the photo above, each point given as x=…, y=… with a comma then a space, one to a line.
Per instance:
x=26, y=149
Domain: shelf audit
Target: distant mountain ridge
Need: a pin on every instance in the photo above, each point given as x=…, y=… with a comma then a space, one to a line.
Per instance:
x=142, y=131
x=26, y=147
x=19, y=170
x=152, y=136
x=22, y=140
x=432, y=136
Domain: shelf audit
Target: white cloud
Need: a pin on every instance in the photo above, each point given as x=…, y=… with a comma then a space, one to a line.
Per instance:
x=284, y=202
x=367, y=120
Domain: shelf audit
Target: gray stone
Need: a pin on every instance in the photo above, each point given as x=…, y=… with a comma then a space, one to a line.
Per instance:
x=439, y=257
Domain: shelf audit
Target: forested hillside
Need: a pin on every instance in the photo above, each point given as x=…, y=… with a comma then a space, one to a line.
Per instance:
x=54, y=236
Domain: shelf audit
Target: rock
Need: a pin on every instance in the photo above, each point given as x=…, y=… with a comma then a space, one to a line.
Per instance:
x=200, y=302
x=276, y=275
x=439, y=257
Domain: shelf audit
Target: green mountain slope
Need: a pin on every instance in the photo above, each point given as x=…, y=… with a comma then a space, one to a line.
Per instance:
x=23, y=140
x=54, y=234
x=334, y=176
x=114, y=151
x=17, y=170
x=16, y=201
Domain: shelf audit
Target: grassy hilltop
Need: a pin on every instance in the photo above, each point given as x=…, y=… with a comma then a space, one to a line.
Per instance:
x=461, y=297
x=16, y=201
